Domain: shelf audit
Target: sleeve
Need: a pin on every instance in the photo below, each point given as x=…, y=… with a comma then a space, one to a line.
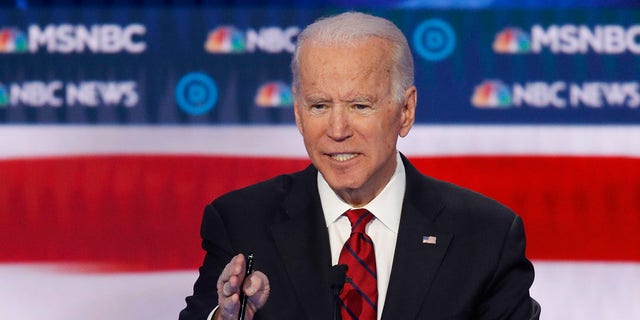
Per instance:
x=507, y=296
x=218, y=252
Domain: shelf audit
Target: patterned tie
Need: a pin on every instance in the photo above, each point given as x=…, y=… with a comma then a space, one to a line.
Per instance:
x=359, y=297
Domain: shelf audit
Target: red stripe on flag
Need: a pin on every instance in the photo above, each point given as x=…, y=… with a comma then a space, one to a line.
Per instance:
x=143, y=212
x=136, y=212
x=574, y=208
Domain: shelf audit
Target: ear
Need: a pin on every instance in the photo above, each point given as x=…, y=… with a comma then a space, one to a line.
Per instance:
x=408, y=110
x=296, y=109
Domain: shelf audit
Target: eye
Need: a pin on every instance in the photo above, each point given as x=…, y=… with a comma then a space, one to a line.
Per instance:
x=361, y=107
x=318, y=108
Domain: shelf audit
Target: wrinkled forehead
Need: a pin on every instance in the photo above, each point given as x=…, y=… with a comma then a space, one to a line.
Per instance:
x=345, y=72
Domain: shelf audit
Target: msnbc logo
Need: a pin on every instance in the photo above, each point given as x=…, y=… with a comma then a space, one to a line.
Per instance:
x=274, y=94
x=228, y=39
x=12, y=41
x=70, y=38
x=491, y=94
x=570, y=39
x=512, y=40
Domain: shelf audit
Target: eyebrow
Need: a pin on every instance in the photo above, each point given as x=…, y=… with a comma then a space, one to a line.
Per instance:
x=320, y=99
x=316, y=99
x=364, y=98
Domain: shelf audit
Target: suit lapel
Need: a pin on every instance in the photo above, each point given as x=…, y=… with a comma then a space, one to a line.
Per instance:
x=303, y=242
x=415, y=263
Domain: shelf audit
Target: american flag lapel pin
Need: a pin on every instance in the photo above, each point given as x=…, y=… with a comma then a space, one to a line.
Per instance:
x=429, y=239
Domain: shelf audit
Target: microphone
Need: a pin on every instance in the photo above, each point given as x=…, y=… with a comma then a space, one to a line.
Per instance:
x=337, y=276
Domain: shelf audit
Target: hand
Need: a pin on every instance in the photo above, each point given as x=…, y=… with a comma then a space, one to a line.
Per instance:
x=256, y=288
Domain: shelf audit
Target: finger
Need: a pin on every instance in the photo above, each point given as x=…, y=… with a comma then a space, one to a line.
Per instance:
x=228, y=288
x=230, y=274
x=228, y=307
x=253, y=283
x=257, y=288
x=234, y=267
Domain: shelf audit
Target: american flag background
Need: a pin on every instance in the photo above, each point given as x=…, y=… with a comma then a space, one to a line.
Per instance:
x=101, y=198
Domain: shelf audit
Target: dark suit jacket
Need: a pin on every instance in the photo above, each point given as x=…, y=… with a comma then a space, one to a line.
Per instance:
x=476, y=270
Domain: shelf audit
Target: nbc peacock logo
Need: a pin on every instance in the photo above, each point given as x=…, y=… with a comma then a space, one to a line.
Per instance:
x=13, y=40
x=512, y=40
x=4, y=96
x=491, y=94
x=225, y=39
x=274, y=94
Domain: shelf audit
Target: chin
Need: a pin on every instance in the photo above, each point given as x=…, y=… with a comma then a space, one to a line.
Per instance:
x=341, y=182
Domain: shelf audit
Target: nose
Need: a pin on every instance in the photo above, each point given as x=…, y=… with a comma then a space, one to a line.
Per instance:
x=339, y=127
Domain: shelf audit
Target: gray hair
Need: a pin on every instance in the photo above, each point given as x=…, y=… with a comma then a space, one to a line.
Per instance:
x=344, y=29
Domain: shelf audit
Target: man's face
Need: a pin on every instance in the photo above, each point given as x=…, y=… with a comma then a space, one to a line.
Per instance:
x=348, y=118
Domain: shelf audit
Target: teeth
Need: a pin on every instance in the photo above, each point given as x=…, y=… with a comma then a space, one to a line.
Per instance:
x=343, y=156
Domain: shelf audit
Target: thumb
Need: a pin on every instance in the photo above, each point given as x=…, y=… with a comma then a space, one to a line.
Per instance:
x=257, y=289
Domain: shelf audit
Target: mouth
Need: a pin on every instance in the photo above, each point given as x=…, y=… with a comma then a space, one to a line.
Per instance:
x=342, y=157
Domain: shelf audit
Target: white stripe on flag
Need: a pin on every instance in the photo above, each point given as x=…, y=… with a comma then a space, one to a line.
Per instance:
x=566, y=290
x=284, y=141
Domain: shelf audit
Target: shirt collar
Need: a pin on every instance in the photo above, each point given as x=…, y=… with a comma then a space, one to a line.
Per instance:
x=386, y=206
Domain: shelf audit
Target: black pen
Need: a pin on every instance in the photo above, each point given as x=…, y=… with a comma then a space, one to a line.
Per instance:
x=243, y=297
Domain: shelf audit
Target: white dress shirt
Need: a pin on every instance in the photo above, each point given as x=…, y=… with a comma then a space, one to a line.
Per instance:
x=383, y=230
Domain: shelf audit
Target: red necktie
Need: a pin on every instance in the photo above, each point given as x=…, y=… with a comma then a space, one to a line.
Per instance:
x=359, y=297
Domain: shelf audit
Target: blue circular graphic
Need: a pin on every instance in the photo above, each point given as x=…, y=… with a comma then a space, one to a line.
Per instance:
x=196, y=93
x=434, y=39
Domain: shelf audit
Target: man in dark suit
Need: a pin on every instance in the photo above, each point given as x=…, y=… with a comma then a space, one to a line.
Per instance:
x=427, y=250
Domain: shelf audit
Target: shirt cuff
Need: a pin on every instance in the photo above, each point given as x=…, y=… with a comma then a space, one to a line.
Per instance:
x=212, y=312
